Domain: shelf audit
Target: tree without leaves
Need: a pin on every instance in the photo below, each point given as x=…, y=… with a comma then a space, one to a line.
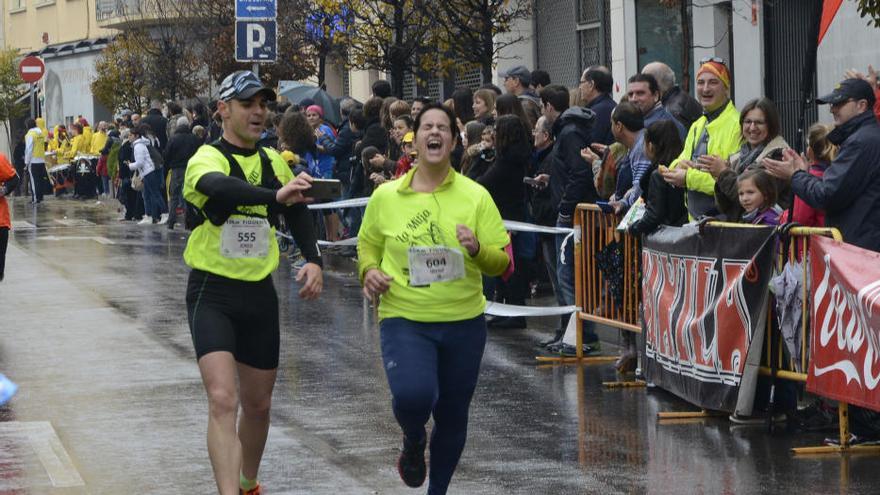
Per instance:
x=165, y=34
x=389, y=36
x=11, y=87
x=470, y=28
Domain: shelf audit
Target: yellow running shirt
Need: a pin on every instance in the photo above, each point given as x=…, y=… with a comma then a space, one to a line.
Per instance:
x=203, y=249
x=398, y=218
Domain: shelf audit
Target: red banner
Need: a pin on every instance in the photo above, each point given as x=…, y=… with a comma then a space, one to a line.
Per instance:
x=845, y=341
x=705, y=303
x=829, y=10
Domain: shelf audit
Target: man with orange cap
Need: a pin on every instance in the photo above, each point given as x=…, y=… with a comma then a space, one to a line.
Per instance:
x=714, y=136
x=8, y=182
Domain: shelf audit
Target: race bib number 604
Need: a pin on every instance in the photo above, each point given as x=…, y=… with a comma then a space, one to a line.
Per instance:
x=434, y=264
x=245, y=238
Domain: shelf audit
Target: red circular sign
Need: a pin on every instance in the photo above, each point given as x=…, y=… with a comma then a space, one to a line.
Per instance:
x=31, y=69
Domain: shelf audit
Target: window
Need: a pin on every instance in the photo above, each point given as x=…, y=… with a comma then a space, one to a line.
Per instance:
x=594, y=34
x=17, y=5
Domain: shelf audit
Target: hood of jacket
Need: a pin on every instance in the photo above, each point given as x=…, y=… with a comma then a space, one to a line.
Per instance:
x=579, y=116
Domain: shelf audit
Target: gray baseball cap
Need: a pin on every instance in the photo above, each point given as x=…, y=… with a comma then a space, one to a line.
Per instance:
x=520, y=72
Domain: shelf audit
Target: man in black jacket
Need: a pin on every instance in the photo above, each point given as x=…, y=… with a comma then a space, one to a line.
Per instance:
x=374, y=135
x=341, y=146
x=595, y=89
x=181, y=147
x=18, y=163
x=849, y=192
x=570, y=183
x=158, y=123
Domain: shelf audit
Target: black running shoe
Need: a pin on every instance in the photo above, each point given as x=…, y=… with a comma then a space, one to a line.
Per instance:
x=411, y=463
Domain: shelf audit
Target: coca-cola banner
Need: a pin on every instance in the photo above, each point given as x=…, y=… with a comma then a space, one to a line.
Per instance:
x=705, y=304
x=845, y=341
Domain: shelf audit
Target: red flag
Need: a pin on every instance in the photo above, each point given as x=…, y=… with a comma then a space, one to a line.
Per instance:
x=829, y=10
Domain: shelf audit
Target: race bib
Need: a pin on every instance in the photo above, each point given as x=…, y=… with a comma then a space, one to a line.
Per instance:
x=434, y=264
x=245, y=238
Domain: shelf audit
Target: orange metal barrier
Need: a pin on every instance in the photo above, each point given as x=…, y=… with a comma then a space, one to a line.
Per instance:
x=592, y=291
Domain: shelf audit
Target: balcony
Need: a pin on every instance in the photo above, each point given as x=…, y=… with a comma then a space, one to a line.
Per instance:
x=126, y=14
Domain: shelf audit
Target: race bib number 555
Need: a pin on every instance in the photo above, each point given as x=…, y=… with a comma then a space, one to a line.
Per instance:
x=245, y=238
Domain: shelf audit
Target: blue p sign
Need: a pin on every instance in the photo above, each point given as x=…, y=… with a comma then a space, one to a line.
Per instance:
x=255, y=41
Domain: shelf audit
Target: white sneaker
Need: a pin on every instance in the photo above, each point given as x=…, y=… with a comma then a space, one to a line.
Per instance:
x=163, y=219
x=146, y=221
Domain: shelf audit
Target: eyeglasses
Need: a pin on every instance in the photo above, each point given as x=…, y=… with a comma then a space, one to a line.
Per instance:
x=844, y=102
x=717, y=60
x=759, y=123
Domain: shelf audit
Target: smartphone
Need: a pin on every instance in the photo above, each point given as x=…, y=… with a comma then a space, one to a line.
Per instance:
x=776, y=154
x=605, y=206
x=324, y=189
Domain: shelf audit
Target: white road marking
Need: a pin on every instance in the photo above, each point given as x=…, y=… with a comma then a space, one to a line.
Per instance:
x=48, y=447
x=98, y=239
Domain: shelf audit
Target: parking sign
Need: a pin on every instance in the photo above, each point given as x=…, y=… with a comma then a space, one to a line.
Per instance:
x=255, y=41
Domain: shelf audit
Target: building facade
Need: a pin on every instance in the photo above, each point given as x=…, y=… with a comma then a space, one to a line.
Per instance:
x=67, y=36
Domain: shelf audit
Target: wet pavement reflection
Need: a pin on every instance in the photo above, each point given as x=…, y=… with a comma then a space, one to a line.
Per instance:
x=94, y=331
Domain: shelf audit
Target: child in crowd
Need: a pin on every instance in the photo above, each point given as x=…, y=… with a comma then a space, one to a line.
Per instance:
x=820, y=153
x=485, y=156
x=293, y=162
x=407, y=156
x=757, y=195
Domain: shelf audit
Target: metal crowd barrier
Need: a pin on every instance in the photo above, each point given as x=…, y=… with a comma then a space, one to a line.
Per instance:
x=595, y=231
x=597, y=234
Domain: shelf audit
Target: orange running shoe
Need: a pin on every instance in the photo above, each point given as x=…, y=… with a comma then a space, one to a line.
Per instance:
x=257, y=490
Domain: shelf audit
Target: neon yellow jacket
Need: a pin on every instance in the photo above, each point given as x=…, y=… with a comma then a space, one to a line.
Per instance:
x=87, y=139
x=78, y=146
x=397, y=218
x=99, y=139
x=725, y=137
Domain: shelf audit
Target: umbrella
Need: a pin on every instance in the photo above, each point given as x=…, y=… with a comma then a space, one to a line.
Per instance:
x=297, y=92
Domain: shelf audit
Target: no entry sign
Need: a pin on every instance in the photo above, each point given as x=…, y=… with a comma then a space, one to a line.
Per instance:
x=31, y=69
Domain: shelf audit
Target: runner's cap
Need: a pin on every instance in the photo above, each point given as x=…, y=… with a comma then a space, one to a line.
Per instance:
x=243, y=85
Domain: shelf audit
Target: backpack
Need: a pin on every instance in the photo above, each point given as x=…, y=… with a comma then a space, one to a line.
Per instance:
x=218, y=213
x=156, y=156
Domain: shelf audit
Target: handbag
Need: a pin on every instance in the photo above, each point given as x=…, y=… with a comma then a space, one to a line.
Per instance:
x=137, y=183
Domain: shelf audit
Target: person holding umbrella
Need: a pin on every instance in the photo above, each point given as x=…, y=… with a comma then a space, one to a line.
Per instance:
x=321, y=164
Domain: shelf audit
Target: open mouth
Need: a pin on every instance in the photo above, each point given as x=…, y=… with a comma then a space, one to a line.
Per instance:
x=435, y=144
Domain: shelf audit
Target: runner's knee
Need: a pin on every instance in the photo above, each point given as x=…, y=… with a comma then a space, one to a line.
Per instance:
x=222, y=401
x=256, y=406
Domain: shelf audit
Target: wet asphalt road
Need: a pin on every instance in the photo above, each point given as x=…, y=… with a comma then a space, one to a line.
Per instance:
x=93, y=328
